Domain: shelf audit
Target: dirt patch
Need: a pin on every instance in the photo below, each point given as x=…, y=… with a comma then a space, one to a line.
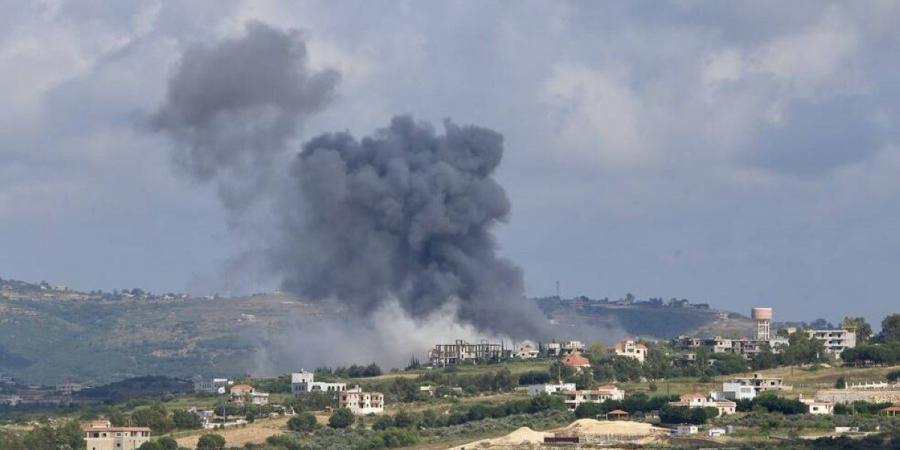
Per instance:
x=587, y=429
x=516, y=439
x=254, y=433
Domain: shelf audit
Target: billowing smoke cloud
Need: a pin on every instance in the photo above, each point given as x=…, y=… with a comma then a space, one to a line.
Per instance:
x=404, y=217
x=408, y=214
x=232, y=108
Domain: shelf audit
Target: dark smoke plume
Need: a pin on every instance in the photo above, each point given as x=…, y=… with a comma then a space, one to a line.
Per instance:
x=403, y=217
x=406, y=214
x=233, y=107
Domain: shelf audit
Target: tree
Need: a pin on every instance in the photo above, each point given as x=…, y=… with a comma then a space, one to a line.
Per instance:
x=890, y=328
x=66, y=436
x=167, y=443
x=304, y=422
x=841, y=382
x=588, y=410
x=156, y=417
x=342, y=418
x=860, y=326
x=186, y=420
x=211, y=442
x=150, y=445
x=596, y=351
x=803, y=349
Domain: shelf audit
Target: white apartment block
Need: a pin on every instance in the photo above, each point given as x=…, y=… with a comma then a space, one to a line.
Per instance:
x=761, y=384
x=362, y=403
x=303, y=382
x=835, y=341
x=599, y=395
x=536, y=390
x=212, y=385
x=101, y=435
x=554, y=348
x=735, y=391
x=630, y=349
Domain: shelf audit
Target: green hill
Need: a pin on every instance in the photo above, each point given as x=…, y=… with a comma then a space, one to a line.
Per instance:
x=49, y=335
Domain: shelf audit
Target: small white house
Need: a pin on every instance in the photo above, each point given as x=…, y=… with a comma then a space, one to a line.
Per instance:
x=686, y=430
x=537, y=389
x=715, y=432
x=817, y=407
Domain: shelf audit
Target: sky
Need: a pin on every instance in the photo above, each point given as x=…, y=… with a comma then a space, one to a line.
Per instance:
x=735, y=153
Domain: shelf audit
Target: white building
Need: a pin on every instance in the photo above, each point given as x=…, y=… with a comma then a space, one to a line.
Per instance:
x=735, y=391
x=715, y=432
x=554, y=348
x=212, y=385
x=537, y=389
x=698, y=400
x=362, y=403
x=527, y=351
x=817, y=407
x=630, y=349
x=685, y=430
x=760, y=383
x=599, y=395
x=835, y=341
x=101, y=435
x=303, y=382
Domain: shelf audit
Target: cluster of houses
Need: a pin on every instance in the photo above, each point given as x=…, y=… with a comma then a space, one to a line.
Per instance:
x=359, y=402
x=460, y=352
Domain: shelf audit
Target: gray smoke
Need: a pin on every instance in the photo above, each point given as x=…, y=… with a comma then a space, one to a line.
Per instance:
x=232, y=108
x=405, y=214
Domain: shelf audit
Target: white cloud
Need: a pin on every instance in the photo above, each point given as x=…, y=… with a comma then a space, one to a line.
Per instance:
x=598, y=117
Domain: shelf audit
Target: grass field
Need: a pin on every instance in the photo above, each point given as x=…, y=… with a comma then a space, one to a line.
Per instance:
x=253, y=433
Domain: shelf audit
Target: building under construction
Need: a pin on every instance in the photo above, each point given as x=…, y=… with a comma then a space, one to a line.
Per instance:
x=443, y=355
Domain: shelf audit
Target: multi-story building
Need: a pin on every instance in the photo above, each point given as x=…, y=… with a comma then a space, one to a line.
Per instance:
x=101, y=435
x=631, y=349
x=537, y=389
x=212, y=385
x=362, y=403
x=599, y=395
x=835, y=341
x=698, y=400
x=443, y=355
x=735, y=391
x=527, y=351
x=303, y=382
x=556, y=349
x=760, y=383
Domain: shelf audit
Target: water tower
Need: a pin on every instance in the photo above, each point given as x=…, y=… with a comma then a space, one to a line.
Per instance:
x=763, y=318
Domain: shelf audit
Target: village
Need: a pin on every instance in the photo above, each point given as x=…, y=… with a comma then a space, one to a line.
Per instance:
x=712, y=391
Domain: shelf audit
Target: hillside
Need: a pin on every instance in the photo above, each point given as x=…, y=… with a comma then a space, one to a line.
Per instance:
x=49, y=334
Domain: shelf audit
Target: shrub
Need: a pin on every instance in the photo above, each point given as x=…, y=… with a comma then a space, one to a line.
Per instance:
x=342, y=418
x=304, y=422
x=186, y=420
x=211, y=442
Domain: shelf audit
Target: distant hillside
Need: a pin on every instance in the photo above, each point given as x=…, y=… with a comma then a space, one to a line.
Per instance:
x=651, y=318
x=49, y=334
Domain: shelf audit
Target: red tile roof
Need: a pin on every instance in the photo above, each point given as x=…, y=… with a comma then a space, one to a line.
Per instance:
x=576, y=360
